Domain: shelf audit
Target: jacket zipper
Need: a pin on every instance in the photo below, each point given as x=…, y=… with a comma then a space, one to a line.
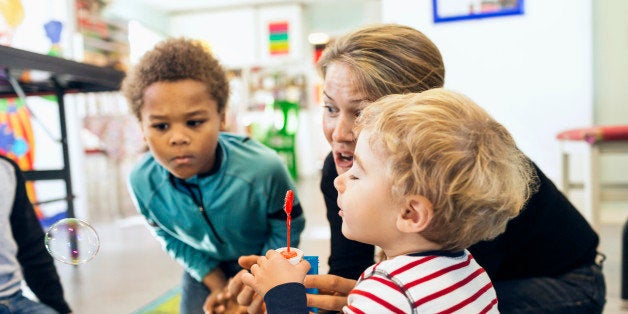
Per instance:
x=201, y=209
x=211, y=226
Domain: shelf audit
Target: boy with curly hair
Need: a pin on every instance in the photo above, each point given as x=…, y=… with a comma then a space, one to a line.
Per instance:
x=433, y=174
x=209, y=196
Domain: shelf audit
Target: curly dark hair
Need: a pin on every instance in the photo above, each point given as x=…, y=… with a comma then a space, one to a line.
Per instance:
x=176, y=59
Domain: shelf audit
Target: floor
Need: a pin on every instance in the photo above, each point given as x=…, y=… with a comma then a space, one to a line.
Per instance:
x=131, y=269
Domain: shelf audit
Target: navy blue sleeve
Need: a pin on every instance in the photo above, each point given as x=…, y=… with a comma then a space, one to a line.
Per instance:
x=288, y=298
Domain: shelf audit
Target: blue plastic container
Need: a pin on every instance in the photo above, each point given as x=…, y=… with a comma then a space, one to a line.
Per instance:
x=313, y=260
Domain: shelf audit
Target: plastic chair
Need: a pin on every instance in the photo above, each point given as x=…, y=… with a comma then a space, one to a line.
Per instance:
x=282, y=135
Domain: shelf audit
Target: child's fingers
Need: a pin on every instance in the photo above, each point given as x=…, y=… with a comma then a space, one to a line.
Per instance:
x=257, y=305
x=247, y=261
x=255, y=269
x=303, y=266
x=235, y=283
x=247, y=279
x=246, y=294
x=245, y=297
x=271, y=253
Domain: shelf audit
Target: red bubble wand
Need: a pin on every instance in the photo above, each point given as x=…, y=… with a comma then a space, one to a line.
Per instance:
x=287, y=207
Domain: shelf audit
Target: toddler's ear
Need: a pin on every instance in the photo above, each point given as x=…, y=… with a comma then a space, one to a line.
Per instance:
x=415, y=215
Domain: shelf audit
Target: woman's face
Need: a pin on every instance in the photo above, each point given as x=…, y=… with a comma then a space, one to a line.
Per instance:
x=342, y=105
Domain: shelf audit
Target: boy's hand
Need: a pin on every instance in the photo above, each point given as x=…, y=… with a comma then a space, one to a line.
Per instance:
x=273, y=270
x=222, y=303
x=216, y=302
x=332, y=291
x=247, y=261
x=243, y=294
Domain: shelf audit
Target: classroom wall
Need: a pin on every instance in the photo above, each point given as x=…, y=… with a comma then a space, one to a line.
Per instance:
x=239, y=37
x=532, y=72
x=610, y=76
x=610, y=64
x=560, y=65
x=134, y=10
x=535, y=72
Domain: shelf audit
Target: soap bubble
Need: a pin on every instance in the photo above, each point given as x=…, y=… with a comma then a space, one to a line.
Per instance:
x=72, y=241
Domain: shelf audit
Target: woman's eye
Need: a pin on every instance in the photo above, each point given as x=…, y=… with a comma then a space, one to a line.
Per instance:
x=330, y=109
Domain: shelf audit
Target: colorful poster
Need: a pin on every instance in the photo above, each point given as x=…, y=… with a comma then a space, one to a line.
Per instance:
x=278, y=38
x=17, y=140
x=11, y=16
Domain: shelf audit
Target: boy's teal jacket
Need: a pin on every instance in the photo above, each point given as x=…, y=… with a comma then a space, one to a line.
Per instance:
x=243, y=200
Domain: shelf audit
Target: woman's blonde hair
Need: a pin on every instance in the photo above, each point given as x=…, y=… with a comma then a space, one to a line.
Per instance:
x=387, y=59
x=443, y=146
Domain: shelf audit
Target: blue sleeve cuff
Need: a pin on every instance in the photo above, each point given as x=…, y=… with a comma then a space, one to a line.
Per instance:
x=288, y=298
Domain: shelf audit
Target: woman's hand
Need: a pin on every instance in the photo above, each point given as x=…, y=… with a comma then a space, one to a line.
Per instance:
x=332, y=291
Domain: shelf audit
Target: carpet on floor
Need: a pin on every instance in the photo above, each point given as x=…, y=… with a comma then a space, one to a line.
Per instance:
x=168, y=303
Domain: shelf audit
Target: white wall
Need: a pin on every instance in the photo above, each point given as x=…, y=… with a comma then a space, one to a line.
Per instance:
x=338, y=17
x=610, y=29
x=610, y=73
x=239, y=37
x=532, y=72
x=232, y=34
x=135, y=11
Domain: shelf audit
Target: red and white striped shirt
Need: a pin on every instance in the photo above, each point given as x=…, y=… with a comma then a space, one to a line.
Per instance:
x=432, y=282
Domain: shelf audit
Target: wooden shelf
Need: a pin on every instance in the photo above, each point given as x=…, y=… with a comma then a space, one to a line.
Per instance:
x=72, y=76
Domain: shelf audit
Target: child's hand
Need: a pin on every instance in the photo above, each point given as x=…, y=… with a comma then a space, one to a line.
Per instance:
x=215, y=301
x=222, y=303
x=245, y=295
x=273, y=270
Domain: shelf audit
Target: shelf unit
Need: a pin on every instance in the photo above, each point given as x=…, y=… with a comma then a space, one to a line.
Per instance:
x=62, y=77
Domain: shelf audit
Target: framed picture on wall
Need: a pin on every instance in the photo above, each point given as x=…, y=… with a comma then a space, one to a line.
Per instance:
x=456, y=10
